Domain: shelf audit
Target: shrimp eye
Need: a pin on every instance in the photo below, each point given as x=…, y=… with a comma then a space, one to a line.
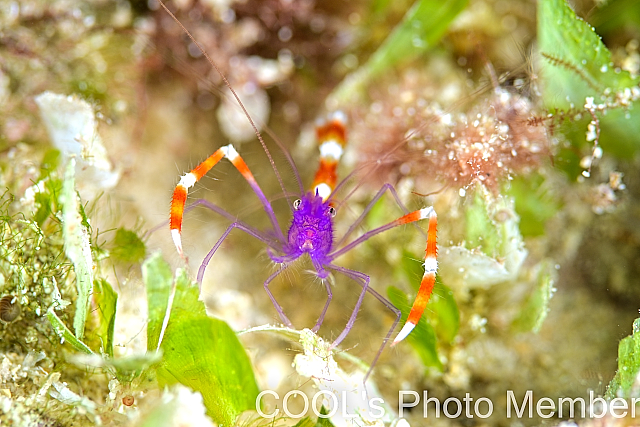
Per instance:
x=332, y=211
x=297, y=203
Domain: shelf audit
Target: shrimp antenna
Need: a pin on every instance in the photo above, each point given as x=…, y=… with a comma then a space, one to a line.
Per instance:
x=235, y=95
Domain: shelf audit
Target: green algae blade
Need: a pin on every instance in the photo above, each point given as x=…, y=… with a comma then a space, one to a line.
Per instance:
x=127, y=246
x=536, y=306
x=199, y=352
x=576, y=65
x=77, y=247
x=624, y=383
x=106, y=300
x=582, y=65
x=65, y=334
x=420, y=29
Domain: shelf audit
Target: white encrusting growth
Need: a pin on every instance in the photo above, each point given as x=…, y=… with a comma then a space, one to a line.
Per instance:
x=323, y=190
x=331, y=149
x=230, y=152
x=188, y=180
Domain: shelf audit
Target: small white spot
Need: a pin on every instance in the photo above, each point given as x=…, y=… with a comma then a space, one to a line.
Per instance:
x=376, y=107
x=187, y=180
x=430, y=265
x=504, y=97
x=285, y=33
x=230, y=152
x=597, y=152
x=323, y=190
x=588, y=104
x=478, y=323
x=585, y=162
x=339, y=116
x=331, y=149
x=462, y=192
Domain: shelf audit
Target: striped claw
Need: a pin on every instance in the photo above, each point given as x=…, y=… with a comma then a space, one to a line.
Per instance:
x=428, y=279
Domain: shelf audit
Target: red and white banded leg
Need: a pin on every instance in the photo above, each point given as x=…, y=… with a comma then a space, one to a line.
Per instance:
x=427, y=283
x=188, y=180
x=409, y=218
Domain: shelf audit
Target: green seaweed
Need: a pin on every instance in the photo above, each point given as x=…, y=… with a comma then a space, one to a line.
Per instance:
x=161, y=416
x=106, y=300
x=77, y=247
x=535, y=205
x=128, y=368
x=624, y=382
x=323, y=422
x=481, y=230
x=200, y=352
x=574, y=49
x=47, y=200
x=127, y=246
x=536, y=307
x=33, y=263
x=421, y=28
x=576, y=66
x=65, y=334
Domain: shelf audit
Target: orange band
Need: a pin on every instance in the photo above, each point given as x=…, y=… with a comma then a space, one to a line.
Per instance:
x=204, y=167
x=177, y=207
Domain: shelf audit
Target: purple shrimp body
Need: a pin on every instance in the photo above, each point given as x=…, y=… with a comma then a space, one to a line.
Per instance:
x=311, y=229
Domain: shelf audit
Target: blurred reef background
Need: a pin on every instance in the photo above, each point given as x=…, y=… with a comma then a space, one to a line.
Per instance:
x=517, y=120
